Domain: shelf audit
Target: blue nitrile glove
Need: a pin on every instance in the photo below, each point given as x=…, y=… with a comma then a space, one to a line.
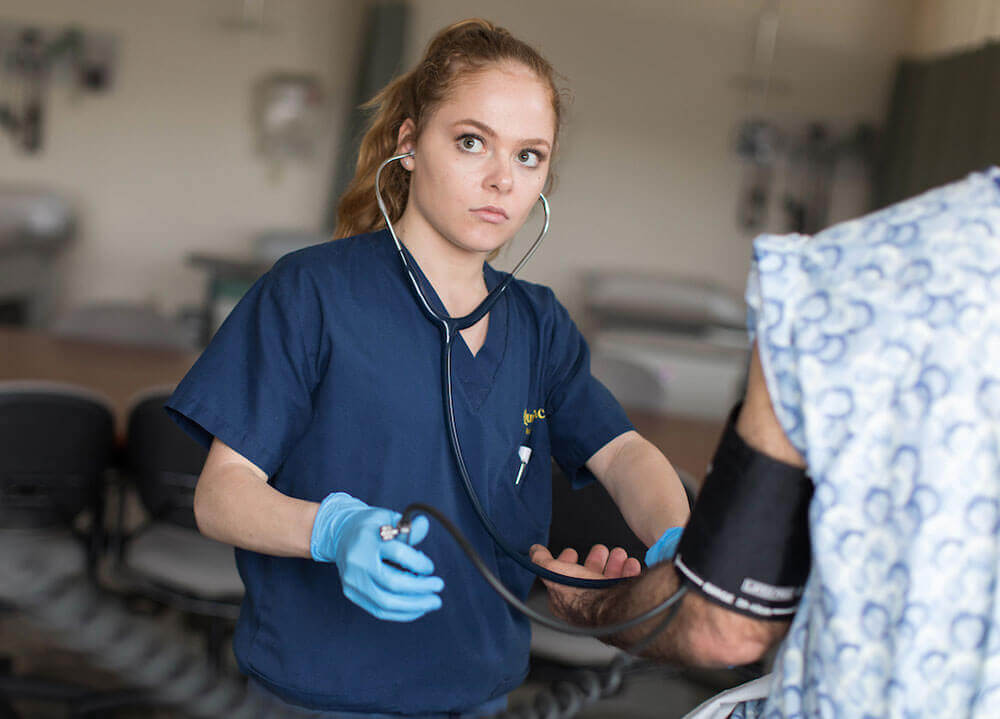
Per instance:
x=346, y=531
x=665, y=546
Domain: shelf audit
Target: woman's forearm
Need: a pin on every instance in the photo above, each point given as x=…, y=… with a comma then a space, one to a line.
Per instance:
x=234, y=504
x=643, y=484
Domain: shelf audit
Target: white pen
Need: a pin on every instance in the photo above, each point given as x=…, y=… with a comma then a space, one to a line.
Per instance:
x=525, y=454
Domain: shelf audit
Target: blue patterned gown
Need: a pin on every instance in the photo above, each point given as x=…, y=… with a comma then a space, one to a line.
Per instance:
x=880, y=343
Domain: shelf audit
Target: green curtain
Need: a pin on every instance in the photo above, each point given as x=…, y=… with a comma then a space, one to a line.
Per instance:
x=382, y=51
x=944, y=122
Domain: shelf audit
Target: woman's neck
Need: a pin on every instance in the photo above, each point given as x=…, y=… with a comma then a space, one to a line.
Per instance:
x=456, y=274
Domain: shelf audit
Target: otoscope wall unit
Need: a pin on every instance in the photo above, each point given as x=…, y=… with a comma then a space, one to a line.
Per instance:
x=36, y=61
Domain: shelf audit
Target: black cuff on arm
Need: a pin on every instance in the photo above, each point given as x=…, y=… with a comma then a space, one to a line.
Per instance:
x=746, y=546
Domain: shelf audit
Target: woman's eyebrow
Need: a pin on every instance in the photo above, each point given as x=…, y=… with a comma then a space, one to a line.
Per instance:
x=490, y=132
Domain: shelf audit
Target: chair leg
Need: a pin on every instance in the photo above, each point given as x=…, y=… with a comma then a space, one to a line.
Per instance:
x=103, y=705
x=7, y=710
x=98, y=532
x=214, y=641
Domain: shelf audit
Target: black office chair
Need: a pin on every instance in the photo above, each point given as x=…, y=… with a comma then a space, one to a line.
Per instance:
x=166, y=559
x=587, y=516
x=56, y=443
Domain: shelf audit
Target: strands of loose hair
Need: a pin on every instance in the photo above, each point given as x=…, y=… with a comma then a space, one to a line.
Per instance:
x=461, y=49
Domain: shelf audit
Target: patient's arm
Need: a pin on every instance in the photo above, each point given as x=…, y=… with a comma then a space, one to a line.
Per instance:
x=702, y=633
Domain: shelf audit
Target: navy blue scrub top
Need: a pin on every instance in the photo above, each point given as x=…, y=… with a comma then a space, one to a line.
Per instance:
x=327, y=376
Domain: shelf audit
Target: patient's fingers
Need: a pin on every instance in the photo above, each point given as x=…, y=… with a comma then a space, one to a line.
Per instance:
x=632, y=568
x=539, y=554
x=616, y=562
x=597, y=558
x=568, y=555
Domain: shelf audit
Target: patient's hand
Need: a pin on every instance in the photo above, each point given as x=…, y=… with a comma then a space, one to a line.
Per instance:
x=579, y=605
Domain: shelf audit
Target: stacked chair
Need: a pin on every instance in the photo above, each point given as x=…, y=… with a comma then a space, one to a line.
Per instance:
x=166, y=559
x=59, y=464
x=56, y=443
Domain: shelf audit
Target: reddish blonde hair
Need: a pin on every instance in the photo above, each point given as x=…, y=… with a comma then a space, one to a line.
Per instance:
x=461, y=49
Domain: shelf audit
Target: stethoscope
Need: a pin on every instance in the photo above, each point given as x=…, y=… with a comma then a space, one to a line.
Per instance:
x=451, y=326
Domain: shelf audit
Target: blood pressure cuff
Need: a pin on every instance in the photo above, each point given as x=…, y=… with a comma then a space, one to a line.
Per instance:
x=746, y=545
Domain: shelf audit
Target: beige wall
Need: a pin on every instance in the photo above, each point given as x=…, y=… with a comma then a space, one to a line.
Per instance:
x=946, y=25
x=164, y=163
x=647, y=178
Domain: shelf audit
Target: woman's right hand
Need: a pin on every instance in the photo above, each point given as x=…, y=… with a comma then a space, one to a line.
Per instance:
x=389, y=579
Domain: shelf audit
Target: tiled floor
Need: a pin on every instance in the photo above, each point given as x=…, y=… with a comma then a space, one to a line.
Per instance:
x=33, y=654
x=651, y=695
x=655, y=692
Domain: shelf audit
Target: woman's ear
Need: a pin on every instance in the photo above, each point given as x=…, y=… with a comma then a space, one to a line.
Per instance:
x=405, y=141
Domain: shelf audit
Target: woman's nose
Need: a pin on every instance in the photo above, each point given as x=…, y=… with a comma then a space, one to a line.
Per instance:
x=500, y=176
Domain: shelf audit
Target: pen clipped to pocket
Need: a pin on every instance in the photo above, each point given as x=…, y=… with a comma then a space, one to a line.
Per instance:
x=524, y=454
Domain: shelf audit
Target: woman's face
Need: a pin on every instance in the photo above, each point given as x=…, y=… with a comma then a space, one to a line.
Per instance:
x=481, y=160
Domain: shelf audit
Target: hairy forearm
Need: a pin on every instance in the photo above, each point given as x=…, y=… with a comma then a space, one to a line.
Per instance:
x=234, y=506
x=645, y=488
x=700, y=634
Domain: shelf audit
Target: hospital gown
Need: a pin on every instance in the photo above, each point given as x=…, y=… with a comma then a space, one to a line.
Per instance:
x=880, y=342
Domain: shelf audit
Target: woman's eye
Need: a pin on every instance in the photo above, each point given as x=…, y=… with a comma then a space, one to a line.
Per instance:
x=529, y=158
x=470, y=143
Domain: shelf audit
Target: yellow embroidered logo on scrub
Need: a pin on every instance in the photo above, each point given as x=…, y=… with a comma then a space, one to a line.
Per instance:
x=531, y=416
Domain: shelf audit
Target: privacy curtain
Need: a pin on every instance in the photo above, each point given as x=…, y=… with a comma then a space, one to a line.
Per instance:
x=944, y=122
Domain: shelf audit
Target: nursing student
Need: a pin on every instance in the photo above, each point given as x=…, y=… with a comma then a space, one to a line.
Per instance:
x=321, y=400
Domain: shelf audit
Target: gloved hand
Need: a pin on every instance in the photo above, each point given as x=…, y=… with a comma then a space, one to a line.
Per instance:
x=346, y=531
x=665, y=546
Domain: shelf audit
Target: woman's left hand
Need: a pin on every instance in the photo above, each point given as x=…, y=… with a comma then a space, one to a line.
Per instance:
x=601, y=563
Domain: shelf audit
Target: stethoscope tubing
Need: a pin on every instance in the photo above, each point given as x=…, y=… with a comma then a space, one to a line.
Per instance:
x=450, y=328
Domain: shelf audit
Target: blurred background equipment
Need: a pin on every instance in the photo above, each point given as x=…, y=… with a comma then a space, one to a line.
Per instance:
x=125, y=323
x=33, y=57
x=666, y=344
x=229, y=276
x=804, y=155
x=758, y=140
x=35, y=226
x=288, y=115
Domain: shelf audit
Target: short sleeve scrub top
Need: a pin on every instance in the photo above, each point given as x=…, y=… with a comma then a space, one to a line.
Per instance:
x=327, y=376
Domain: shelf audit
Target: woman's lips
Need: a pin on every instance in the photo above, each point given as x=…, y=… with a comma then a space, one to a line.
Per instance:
x=491, y=214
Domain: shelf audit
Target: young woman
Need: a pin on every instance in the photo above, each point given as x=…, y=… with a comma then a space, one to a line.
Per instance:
x=321, y=397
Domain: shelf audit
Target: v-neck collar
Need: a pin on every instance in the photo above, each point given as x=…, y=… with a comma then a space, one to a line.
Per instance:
x=474, y=374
